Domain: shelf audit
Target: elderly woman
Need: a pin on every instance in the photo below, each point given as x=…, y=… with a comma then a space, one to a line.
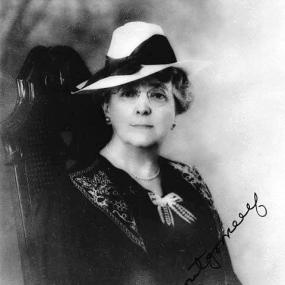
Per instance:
x=133, y=216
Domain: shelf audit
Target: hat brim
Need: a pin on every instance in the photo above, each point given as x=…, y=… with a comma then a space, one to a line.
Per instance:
x=190, y=66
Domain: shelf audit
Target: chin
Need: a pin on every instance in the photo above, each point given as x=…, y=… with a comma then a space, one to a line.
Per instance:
x=143, y=141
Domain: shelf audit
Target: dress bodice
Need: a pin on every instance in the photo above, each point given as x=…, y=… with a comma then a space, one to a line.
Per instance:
x=134, y=229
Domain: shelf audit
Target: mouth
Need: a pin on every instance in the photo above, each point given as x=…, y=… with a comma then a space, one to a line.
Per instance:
x=142, y=126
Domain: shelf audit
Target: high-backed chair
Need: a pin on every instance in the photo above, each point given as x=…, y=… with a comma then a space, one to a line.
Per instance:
x=48, y=131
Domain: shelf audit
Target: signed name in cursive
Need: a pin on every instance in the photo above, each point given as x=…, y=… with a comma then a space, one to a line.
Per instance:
x=209, y=258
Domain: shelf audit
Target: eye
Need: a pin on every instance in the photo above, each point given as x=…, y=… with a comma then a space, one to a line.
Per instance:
x=158, y=95
x=128, y=93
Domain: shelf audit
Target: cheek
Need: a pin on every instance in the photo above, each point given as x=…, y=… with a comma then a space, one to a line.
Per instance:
x=167, y=116
x=119, y=114
x=167, y=119
x=116, y=110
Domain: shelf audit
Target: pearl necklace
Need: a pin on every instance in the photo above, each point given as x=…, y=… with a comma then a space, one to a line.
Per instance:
x=139, y=177
x=149, y=178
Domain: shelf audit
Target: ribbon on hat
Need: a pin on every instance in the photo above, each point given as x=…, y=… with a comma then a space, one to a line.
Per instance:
x=167, y=204
x=154, y=50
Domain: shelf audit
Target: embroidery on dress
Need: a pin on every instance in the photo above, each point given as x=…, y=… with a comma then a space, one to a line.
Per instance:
x=98, y=189
x=191, y=175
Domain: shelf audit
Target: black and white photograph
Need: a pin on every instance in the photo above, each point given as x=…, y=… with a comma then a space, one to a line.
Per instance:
x=142, y=142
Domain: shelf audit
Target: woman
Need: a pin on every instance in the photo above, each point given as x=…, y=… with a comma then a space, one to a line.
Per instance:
x=133, y=216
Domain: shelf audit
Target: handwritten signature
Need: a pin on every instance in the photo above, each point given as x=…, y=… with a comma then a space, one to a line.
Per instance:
x=210, y=260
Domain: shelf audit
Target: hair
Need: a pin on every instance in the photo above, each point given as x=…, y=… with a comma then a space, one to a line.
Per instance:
x=177, y=76
x=181, y=87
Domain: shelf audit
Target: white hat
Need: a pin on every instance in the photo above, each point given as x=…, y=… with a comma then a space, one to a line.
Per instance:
x=137, y=50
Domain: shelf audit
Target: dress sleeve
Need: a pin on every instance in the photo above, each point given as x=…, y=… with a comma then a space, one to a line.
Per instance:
x=83, y=246
x=201, y=186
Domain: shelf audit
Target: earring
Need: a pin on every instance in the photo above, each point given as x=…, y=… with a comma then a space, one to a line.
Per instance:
x=173, y=126
x=108, y=120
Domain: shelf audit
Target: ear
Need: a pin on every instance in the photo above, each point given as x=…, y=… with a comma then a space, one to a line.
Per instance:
x=105, y=108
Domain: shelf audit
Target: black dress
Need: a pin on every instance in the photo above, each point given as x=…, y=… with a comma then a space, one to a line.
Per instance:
x=104, y=228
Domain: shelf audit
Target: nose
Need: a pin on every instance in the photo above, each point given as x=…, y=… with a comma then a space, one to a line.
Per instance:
x=143, y=105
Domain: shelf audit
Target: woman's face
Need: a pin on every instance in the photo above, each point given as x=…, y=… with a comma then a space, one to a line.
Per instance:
x=142, y=114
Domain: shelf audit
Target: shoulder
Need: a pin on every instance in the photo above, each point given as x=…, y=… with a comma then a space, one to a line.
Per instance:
x=91, y=178
x=82, y=167
x=191, y=175
x=96, y=184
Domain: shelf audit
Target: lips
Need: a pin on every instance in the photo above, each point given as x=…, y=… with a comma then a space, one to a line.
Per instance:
x=148, y=126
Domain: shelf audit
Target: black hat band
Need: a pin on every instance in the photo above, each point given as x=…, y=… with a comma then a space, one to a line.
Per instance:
x=155, y=50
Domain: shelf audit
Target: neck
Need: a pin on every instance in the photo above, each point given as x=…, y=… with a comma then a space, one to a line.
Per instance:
x=141, y=161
